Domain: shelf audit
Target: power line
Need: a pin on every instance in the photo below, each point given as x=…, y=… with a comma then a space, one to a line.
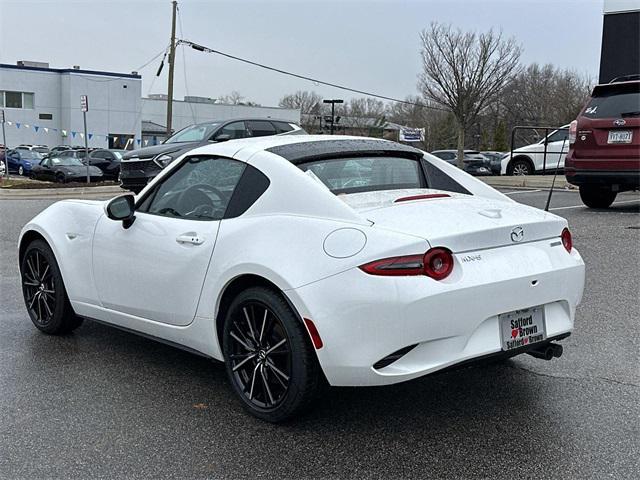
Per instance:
x=202, y=48
x=91, y=79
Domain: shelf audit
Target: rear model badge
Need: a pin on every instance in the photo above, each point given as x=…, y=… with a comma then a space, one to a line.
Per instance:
x=517, y=234
x=619, y=122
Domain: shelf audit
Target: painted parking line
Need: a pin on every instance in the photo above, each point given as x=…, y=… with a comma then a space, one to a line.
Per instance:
x=521, y=191
x=582, y=206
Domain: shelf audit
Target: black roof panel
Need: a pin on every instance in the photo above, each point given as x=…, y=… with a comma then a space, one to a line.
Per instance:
x=313, y=150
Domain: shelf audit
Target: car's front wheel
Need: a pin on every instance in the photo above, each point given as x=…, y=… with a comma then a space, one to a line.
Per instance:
x=269, y=358
x=60, y=178
x=43, y=289
x=520, y=167
x=597, y=197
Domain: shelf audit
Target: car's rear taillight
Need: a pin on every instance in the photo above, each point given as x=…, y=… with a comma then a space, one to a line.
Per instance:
x=573, y=132
x=567, y=241
x=437, y=263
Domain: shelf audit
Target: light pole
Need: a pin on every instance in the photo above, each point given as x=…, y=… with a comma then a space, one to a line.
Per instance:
x=4, y=144
x=84, y=106
x=333, y=111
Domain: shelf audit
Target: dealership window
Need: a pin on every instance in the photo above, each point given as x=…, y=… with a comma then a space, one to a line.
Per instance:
x=16, y=100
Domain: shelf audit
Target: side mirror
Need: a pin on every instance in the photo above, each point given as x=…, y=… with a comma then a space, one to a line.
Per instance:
x=223, y=137
x=122, y=208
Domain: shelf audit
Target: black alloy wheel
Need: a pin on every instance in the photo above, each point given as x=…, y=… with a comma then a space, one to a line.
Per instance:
x=520, y=167
x=269, y=357
x=44, y=293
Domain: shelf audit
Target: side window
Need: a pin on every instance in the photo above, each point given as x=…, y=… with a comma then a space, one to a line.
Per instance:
x=558, y=136
x=282, y=127
x=234, y=130
x=200, y=189
x=100, y=155
x=260, y=128
x=439, y=180
x=45, y=163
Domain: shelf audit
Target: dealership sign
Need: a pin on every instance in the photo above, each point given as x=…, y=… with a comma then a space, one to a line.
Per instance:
x=411, y=135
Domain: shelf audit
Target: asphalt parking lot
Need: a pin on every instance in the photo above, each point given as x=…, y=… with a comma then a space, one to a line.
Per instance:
x=101, y=403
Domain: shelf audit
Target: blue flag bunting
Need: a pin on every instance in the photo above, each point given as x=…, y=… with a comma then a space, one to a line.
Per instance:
x=17, y=125
x=36, y=127
x=73, y=134
x=89, y=135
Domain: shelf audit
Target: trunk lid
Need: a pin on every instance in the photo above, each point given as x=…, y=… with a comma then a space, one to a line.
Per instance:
x=456, y=221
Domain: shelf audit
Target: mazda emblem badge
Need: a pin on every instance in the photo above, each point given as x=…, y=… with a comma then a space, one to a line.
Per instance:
x=517, y=234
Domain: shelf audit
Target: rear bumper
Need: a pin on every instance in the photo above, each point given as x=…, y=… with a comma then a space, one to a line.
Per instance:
x=629, y=179
x=624, y=172
x=362, y=319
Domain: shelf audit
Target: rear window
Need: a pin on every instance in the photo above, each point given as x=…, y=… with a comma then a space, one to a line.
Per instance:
x=614, y=101
x=365, y=174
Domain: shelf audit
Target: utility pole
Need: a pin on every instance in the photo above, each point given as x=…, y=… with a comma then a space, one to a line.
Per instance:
x=333, y=111
x=172, y=57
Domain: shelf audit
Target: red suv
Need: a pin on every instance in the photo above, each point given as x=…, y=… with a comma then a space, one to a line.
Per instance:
x=604, y=151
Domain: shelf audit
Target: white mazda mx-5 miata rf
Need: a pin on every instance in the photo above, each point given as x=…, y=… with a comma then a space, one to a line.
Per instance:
x=311, y=259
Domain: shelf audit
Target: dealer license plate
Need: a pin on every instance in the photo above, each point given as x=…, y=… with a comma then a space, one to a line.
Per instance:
x=522, y=327
x=620, y=136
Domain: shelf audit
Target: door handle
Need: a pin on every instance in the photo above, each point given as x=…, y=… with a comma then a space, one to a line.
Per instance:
x=190, y=237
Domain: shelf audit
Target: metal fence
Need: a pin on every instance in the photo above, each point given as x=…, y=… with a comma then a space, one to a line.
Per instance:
x=547, y=130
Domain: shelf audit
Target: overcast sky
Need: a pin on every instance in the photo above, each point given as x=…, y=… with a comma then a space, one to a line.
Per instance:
x=364, y=44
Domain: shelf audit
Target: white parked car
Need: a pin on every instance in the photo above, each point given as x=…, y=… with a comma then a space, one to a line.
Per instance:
x=2, y=167
x=530, y=159
x=304, y=259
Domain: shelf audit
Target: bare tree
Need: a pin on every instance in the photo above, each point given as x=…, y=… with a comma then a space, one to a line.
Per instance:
x=234, y=98
x=307, y=102
x=465, y=71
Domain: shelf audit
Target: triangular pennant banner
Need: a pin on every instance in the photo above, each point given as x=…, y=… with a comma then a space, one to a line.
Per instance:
x=73, y=134
x=9, y=123
x=64, y=133
x=138, y=140
x=26, y=125
x=35, y=127
x=81, y=135
x=17, y=125
x=146, y=142
x=89, y=135
x=46, y=130
x=115, y=139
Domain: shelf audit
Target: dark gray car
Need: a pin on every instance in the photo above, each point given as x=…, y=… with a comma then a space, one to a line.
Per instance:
x=139, y=166
x=474, y=162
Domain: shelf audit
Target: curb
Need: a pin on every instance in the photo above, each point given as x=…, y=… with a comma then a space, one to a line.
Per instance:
x=17, y=193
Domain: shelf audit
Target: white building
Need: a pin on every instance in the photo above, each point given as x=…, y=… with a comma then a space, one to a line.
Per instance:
x=42, y=106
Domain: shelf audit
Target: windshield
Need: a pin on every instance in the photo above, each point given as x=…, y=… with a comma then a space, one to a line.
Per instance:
x=367, y=174
x=194, y=133
x=30, y=155
x=66, y=162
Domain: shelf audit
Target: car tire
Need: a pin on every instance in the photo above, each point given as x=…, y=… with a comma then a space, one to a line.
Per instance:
x=597, y=197
x=273, y=383
x=44, y=293
x=520, y=167
x=60, y=178
x=21, y=170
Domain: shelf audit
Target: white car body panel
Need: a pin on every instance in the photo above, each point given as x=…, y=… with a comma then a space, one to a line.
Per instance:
x=556, y=153
x=309, y=243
